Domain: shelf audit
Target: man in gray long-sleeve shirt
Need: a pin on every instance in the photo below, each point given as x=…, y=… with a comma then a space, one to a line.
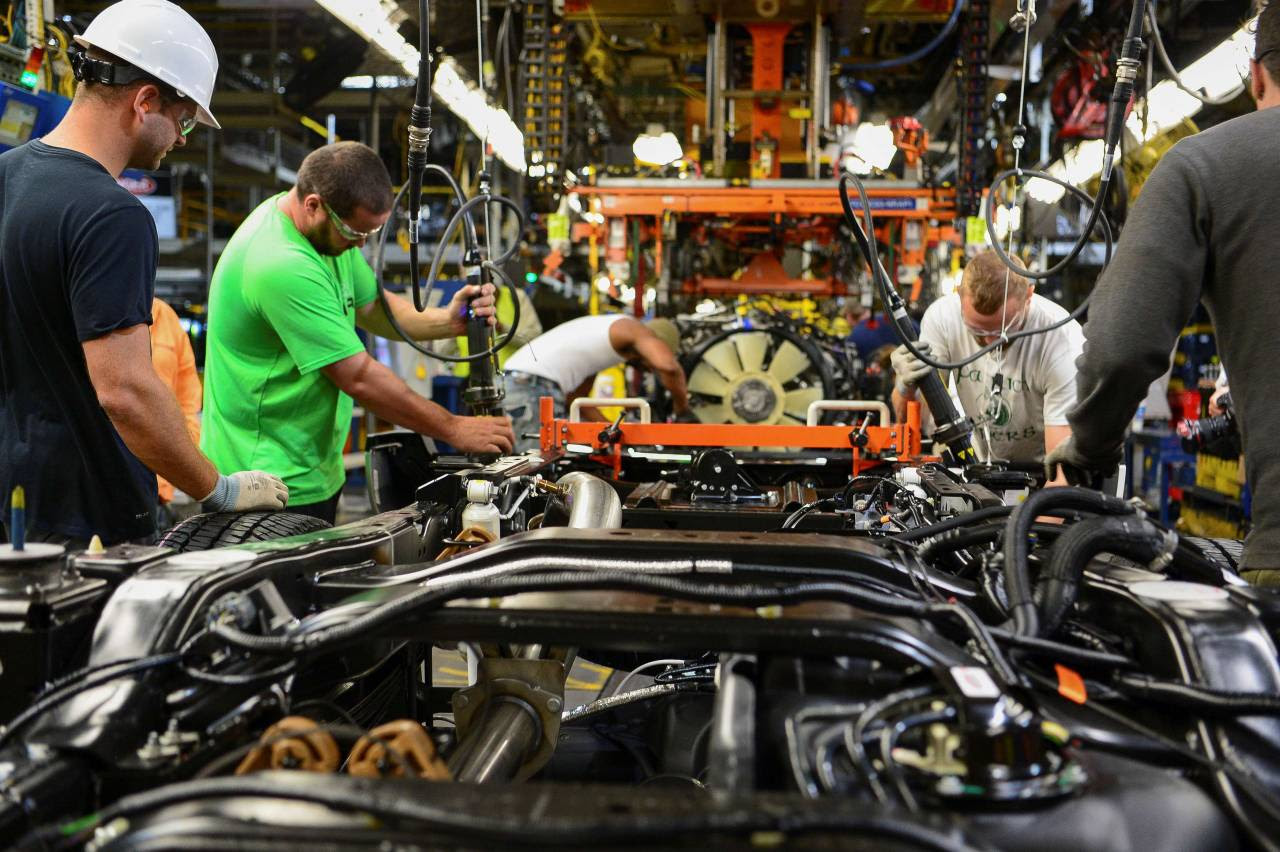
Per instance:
x=1200, y=230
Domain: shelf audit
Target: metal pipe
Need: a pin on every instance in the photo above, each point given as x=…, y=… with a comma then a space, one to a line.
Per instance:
x=498, y=746
x=592, y=502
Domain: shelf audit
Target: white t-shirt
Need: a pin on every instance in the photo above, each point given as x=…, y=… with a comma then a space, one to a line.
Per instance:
x=570, y=353
x=1038, y=372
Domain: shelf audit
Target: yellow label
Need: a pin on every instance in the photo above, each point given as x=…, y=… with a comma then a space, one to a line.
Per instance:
x=975, y=231
x=557, y=228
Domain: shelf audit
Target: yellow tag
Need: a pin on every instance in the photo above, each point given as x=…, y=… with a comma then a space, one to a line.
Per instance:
x=800, y=113
x=557, y=228
x=975, y=231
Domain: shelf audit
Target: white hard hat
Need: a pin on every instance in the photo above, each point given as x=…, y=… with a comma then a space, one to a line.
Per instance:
x=161, y=39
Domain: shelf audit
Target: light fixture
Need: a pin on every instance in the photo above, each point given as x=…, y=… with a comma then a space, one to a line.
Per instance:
x=657, y=147
x=868, y=148
x=377, y=20
x=492, y=124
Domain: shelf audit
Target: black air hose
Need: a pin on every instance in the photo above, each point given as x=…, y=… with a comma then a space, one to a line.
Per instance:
x=1129, y=536
x=962, y=537
x=951, y=523
x=1017, y=576
x=1199, y=698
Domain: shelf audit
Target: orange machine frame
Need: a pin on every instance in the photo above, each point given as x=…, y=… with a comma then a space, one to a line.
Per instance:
x=817, y=201
x=902, y=438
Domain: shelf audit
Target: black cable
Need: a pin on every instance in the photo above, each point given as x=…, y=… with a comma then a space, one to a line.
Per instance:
x=459, y=215
x=1200, y=699
x=391, y=318
x=1059, y=582
x=753, y=595
x=72, y=689
x=857, y=730
x=793, y=520
x=1017, y=577
x=952, y=427
x=1096, y=218
x=1049, y=648
x=247, y=679
x=951, y=523
x=889, y=738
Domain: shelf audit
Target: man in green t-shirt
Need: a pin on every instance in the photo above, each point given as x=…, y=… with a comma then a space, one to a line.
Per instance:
x=283, y=362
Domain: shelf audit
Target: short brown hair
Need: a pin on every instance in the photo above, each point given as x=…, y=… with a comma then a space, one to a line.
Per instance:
x=346, y=175
x=984, y=281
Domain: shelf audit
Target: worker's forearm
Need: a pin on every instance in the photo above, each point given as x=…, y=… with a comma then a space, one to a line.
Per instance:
x=673, y=381
x=899, y=407
x=431, y=324
x=387, y=396
x=152, y=426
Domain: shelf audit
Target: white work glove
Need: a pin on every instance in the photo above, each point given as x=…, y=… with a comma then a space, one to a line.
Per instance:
x=245, y=491
x=908, y=370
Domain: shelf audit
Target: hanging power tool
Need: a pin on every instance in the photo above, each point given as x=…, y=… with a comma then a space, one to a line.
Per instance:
x=952, y=428
x=484, y=392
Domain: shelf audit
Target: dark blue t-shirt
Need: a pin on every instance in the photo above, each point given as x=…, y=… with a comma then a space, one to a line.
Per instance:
x=77, y=261
x=872, y=333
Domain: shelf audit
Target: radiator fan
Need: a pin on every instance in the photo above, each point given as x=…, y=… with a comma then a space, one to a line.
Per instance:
x=756, y=376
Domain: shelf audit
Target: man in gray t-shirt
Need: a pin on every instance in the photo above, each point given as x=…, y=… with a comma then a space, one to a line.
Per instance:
x=1199, y=230
x=1017, y=395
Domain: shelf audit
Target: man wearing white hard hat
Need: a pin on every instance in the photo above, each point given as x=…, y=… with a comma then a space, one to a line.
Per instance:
x=85, y=422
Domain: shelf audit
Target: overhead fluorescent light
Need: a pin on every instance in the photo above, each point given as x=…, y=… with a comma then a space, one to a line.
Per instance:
x=377, y=20
x=1216, y=74
x=491, y=124
x=383, y=81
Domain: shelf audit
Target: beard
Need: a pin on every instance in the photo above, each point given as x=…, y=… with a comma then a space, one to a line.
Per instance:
x=322, y=239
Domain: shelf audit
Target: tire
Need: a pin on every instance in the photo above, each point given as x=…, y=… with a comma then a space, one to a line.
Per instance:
x=1226, y=553
x=222, y=529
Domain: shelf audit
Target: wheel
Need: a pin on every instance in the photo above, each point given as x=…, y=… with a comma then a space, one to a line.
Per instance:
x=756, y=376
x=1226, y=553
x=222, y=529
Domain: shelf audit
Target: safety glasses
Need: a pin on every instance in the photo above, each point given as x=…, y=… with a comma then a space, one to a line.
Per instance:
x=186, y=125
x=1013, y=323
x=346, y=230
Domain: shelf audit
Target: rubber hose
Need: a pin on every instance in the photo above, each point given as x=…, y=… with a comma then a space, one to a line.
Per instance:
x=1199, y=698
x=958, y=521
x=1058, y=585
x=1017, y=577
x=558, y=579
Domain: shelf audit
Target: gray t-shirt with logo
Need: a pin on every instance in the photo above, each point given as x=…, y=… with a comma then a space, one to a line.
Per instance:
x=1037, y=377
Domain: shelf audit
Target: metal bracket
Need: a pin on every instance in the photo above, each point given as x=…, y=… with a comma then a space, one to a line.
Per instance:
x=539, y=684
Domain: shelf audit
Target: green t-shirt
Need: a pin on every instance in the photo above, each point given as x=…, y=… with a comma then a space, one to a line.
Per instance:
x=278, y=312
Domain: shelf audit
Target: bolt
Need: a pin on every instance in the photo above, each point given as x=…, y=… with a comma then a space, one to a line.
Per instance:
x=554, y=704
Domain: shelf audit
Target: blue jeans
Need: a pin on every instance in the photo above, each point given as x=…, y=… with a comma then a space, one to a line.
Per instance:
x=523, y=407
